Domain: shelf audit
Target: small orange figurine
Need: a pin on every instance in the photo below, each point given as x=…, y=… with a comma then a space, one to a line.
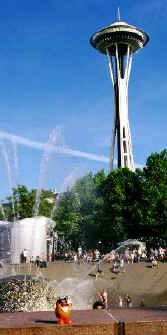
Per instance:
x=63, y=311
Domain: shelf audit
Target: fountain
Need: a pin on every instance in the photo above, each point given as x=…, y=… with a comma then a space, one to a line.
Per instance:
x=29, y=234
x=20, y=292
x=35, y=293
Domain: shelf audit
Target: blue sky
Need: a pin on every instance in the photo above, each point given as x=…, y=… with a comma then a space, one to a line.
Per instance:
x=53, y=82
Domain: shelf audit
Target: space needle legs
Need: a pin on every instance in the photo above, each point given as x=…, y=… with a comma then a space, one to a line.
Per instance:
x=120, y=67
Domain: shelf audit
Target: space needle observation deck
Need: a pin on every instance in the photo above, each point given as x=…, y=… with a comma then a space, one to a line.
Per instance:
x=119, y=42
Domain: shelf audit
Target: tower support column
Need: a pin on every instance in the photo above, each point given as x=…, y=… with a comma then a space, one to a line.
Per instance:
x=120, y=67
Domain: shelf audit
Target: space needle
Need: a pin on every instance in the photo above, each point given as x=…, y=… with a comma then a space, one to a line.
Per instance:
x=119, y=42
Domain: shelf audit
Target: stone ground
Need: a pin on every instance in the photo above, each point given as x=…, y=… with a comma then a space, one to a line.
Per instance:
x=140, y=281
x=96, y=317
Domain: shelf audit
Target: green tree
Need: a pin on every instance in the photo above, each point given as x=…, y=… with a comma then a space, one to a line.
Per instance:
x=78, y=213
x=91, y=203
x=21, y=205
x=67, y=216
x=122, y=215
x=156, y=168
x=155, y=190
x=47, y=202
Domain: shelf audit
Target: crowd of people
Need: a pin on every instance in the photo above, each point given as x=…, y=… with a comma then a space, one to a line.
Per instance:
x=81, y=256
x=38, y=261
x=77, y=257
x=118, y=259
x=132, y=254
x=135, y=255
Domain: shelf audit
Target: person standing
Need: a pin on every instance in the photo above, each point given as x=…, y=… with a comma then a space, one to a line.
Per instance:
x=120, y=302
x=79, y=251
x=75, y=258
x=103, y=298
x=128, y=301
x=25, y=254
x=79, y=254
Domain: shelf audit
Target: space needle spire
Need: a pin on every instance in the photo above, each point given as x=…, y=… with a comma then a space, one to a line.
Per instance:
x=119, y=42
x=119, y=15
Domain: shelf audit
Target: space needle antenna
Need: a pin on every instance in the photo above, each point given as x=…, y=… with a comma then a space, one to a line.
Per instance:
x=119, y=15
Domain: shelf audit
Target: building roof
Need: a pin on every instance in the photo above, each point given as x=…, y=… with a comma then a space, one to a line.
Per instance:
x=121, y=33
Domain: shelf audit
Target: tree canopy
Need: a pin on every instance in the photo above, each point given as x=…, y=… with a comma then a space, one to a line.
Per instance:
x=21, y=204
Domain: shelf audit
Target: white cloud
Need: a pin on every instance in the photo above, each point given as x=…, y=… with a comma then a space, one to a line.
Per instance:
x=57, y=149
x=52, y=148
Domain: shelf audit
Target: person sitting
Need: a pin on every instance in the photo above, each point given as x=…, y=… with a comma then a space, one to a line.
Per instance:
x=98, y=305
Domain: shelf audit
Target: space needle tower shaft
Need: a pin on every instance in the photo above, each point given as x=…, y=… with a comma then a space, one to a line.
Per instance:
x=119, y=42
